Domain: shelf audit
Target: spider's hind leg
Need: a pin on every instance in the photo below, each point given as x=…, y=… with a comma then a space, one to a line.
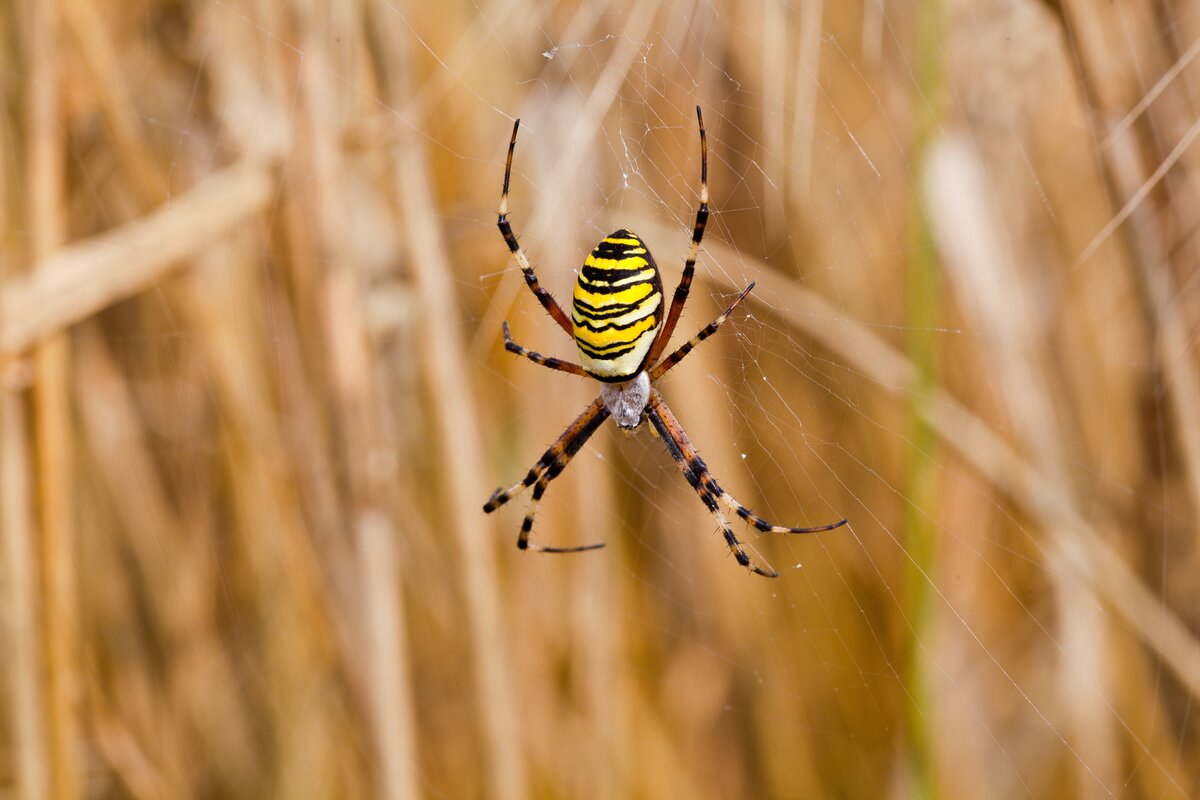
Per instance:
x=758, y=522
x=694, y=469
x=706, y=486
x=735, y=545
x=547, y=468
x=527, y=525
x=563, y=448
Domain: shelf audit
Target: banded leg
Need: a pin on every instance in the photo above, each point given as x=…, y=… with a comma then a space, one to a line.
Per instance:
x=544, y=297
x=659, y=369
x=701, y=479
x=689, y=266
x=549, y=467
x=586, y=423
x=538, y=358
x=696, y=472
x=758, y=522
x=527, y=524
x=710, y=485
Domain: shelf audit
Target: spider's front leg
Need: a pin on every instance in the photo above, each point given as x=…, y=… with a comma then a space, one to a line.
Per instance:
x=689, y=267
x=544, y=297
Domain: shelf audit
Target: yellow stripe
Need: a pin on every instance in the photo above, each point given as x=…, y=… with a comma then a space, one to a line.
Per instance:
x=615, y=339
x=634, y=294
x=632, y=262
x=580, y=316
x=631, y=242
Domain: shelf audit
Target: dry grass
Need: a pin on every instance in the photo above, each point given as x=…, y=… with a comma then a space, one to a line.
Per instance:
x=252, y=399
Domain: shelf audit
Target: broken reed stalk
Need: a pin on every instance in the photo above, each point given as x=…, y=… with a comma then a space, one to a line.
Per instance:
x=82, y=278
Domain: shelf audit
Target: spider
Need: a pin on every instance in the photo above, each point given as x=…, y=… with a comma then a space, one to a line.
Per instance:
x=617, y=324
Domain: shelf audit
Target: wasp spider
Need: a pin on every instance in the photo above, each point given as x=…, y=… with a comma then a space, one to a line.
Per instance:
x=617, y=323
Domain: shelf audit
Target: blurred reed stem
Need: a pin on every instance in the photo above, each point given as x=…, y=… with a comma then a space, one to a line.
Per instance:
x=88, y=275
x=457, y=436
x=922, y=318
x=30, y=774
x=54, y=430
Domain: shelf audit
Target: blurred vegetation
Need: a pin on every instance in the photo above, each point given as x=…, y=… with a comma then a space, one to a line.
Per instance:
x=252, y=397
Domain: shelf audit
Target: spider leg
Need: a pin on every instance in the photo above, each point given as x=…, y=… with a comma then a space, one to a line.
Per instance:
x=758, y=522
x=538, y=358
x=586, y=423
x=527, y=524
x=697, y=474
x=689, y=266
x=544, y=297
x=767, y=571
x=659, y=369
x=547, y=468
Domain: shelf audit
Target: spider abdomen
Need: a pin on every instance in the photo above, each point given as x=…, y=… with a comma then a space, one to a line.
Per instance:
x=618, y=307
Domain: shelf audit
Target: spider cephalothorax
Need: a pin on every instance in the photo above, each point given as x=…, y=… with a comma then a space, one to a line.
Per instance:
x=627, y=401
x=618, y=325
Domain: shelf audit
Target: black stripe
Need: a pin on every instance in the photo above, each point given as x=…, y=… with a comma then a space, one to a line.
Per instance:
x=620, y=342
x=611, y=275
x=615, y=327
x=617, y=309
x=602, y=288
x=624, y=344
x=590, y=312
x=592, y=288
x=611, y=249
x=596, y=355
x=701, y=221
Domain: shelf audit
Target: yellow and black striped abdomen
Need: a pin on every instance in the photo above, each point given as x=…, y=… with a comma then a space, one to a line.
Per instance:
x=618, y=307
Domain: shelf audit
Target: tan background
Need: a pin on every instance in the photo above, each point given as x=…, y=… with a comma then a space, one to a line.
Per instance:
x=252, y=397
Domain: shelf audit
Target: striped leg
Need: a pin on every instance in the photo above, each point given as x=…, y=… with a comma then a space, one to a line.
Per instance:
x=538, y=358
x=660, y=368
x=689, y=266
x=710, y=485
x=698, y=475
x=548, y=467
x=545, y=298
x=527, y=525
x=758, y=522
x=585, y=424
x=696, y=472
